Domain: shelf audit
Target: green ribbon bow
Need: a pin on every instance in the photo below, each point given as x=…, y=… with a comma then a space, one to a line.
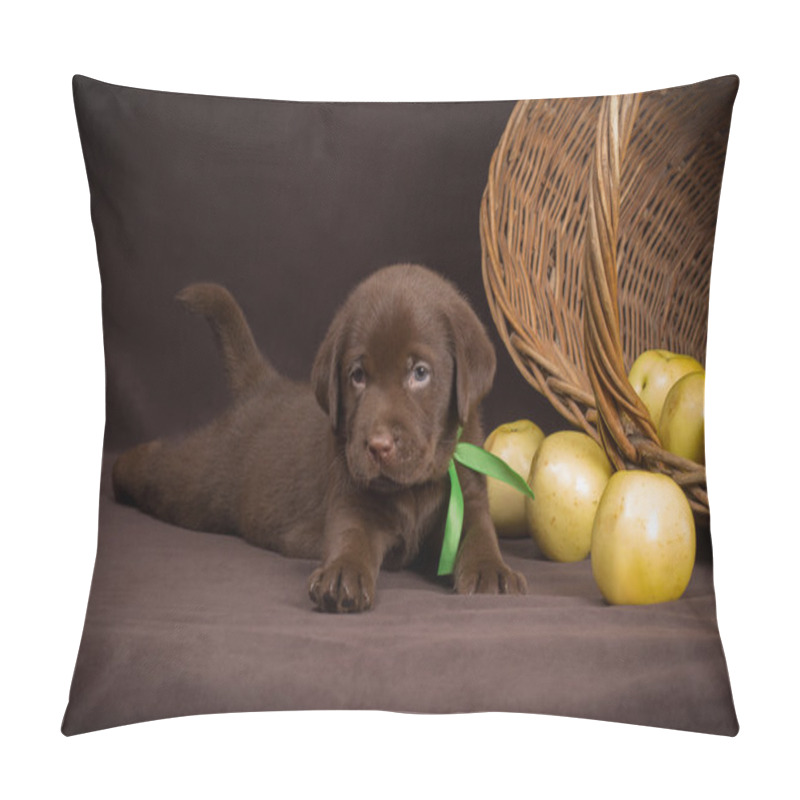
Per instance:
x=477, y=459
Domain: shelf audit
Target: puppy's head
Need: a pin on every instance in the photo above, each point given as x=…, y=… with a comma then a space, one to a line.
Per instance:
x=404, y=362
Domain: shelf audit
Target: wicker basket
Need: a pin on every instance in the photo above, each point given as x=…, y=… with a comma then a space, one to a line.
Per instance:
x=597, y=227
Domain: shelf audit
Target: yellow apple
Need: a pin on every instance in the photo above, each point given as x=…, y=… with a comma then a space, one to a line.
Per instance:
x=682, y=425
x=516, y=443
x=653, y=374
x=568, y=474
x=643, y=539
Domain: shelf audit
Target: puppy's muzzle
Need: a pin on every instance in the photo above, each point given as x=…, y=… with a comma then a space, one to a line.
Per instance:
x=382, y=448
x=387, y=457
x=386, y=461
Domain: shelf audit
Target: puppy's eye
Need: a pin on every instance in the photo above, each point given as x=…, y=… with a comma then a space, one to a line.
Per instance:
x=420, y=376
x=358, y=377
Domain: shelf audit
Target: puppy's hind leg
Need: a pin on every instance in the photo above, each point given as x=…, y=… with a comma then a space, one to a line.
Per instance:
x=193, y=481
x=132, y=475
x=180, y=482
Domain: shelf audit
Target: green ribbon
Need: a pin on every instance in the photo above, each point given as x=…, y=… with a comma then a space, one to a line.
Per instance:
x=477, y=459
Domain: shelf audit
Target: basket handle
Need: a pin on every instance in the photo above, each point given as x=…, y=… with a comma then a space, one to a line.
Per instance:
x=622, y=418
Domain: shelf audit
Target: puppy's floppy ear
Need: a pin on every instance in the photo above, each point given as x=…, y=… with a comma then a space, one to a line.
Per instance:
x=325, y=371
x=474, y=357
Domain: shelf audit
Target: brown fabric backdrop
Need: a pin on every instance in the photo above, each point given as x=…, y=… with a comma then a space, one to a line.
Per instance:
x=287, y=204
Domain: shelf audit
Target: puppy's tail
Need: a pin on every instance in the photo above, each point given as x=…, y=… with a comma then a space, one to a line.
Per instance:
x=244, y=364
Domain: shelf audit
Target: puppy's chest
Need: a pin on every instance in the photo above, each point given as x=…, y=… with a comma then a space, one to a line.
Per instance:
x=416, y=516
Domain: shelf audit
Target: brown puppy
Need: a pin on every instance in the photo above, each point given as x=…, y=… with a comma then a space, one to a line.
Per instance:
x=364, y=484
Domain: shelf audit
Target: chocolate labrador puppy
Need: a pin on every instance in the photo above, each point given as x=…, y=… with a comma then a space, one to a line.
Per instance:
x=352, y=470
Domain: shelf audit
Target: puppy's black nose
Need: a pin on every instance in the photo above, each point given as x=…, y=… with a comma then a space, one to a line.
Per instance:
x=381, y=446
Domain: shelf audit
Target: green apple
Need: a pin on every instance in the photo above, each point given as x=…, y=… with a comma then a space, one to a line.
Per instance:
x=568, y=475
x=643, y=539
x=653, y=374
x=516, y=443
x=682, y=425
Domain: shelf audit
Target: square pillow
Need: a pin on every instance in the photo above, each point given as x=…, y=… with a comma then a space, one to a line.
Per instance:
x=290, y=205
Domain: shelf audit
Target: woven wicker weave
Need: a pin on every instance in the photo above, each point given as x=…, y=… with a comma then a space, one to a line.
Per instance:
x=597, y=226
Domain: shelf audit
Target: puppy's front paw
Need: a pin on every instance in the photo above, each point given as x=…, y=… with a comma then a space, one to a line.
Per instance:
x=489, y=577
x=342, y=586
